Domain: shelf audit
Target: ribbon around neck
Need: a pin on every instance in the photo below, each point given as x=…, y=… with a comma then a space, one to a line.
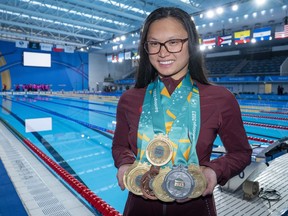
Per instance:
x=176, y=115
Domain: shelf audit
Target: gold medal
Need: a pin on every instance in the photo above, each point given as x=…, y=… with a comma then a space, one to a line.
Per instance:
x=159, y=150
x=157, y=183
x=134, y=178
x=127, y=173
x=199, y=179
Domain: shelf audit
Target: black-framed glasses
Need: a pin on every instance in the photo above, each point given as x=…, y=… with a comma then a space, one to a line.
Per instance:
x=172, y=46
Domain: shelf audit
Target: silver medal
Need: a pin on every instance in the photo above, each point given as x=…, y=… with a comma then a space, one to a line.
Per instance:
x=178, y=183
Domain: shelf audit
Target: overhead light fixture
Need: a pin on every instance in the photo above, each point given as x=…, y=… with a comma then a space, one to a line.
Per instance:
x=235, y=7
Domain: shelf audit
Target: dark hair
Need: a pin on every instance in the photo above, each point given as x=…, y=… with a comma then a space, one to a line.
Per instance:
x=146, y=72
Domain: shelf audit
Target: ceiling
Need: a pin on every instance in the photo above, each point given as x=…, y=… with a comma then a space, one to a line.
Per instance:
x=97, y=23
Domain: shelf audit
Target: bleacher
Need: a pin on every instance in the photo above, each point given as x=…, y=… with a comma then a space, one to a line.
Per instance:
x=220, y=67
x=242, y=65
x=264, y=66
x=246, y=65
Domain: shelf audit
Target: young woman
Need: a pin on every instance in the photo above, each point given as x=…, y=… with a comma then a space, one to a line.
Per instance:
x=169, y=121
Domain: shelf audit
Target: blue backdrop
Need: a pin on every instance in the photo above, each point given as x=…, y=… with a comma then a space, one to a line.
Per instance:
x=68, y=71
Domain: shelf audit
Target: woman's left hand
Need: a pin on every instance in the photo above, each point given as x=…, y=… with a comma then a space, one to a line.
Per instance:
x=211, y=179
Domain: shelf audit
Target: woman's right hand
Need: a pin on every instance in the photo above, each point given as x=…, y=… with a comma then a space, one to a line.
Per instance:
x=121, y=171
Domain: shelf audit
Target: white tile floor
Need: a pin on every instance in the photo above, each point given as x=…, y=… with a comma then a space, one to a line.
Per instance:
x=41, y=192
x=275, y=177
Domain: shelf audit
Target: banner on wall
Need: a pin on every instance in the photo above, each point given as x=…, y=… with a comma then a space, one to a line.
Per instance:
x=69, y=49
x=34, y=45
x=21, y=44
x=127, y=55
x=58, y=48
x=46, y=47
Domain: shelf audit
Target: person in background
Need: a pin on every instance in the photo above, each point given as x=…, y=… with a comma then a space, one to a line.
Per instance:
x=279, y=90
x=4, y=88
x=173, y=99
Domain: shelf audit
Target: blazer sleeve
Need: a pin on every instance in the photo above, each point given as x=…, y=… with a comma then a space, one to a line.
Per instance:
x=121, y=149
x=234, y=138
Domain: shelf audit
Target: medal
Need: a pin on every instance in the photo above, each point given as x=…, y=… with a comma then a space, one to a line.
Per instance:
x=159, y=150
x=178, y=183
x=134, y=178
x=127, y=173
x=146, y=183
x=199, y=179
x=157, y=186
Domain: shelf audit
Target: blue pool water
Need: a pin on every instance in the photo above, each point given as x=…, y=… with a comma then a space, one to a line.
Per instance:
x=80, y=140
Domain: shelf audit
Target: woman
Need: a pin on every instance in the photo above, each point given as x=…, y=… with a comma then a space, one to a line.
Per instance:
x=170, y=56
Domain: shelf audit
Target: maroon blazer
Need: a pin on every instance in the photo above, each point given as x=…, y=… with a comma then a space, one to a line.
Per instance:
x=220, y=114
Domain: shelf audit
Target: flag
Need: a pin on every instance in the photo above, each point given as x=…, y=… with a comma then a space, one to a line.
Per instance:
x=58, y=48
x=209, y=41
x=34, y=45
x=120, y=57
x=135, y=55
x=21, y=44
x=109, y=58
x=46, y=47
x=282, y=34
x=127, y=55
x=260, y=34
x=114, y=58
x=242, y=37
x=224, y=40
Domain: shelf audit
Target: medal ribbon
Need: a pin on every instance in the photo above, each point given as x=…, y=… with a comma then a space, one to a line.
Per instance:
x=177, y=115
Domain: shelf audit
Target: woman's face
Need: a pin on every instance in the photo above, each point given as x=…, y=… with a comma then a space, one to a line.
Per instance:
x=174, y=65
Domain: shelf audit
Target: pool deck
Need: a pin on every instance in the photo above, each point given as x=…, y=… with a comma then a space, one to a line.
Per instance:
x=273, y=178
x=41, y=193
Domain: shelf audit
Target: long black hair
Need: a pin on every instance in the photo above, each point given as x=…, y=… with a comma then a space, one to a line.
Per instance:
x=146, y=72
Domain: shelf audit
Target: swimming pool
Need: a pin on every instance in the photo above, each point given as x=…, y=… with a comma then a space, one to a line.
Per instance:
x=82, y=128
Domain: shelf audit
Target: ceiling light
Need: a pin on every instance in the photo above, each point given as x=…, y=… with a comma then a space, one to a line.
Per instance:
x=210, y=14
x=260, y=2
x=235, y=7
x=219, y=10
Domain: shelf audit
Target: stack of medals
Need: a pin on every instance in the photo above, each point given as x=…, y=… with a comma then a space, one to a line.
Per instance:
x=157, y=181
x=165, y=168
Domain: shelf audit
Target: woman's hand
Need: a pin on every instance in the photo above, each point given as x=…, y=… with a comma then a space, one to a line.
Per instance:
x=122, y=169
x=211, y=179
